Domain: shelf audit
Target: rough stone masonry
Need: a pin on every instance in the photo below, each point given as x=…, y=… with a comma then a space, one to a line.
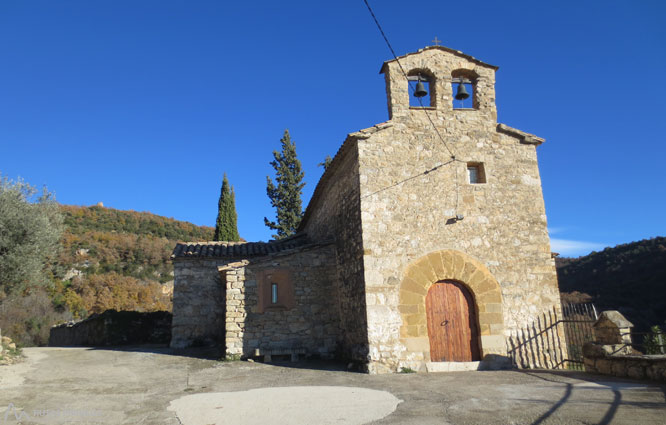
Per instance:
x=436, y=197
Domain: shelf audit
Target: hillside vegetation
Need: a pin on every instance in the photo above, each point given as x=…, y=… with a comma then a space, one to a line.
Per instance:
x=118, y=259
x=108, y=259
x=100, y=219
x=630, y=278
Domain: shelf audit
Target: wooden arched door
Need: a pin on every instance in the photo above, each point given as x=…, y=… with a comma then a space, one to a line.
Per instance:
x=452, y=323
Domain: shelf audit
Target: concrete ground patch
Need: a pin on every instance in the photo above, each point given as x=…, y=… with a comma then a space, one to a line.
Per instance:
x=137, y=385
x=286, y=405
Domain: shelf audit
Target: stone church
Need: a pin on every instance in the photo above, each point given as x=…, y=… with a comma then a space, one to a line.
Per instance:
x=424, y=243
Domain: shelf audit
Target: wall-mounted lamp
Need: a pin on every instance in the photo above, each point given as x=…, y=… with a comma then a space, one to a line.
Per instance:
x=454, y=220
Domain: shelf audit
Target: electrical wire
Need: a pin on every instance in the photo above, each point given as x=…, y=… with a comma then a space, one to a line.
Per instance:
x=388, y=43
x=425, y=173
x=439, y=135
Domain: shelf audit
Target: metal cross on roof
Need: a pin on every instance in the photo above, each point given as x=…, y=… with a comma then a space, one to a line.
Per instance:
x=436, y=41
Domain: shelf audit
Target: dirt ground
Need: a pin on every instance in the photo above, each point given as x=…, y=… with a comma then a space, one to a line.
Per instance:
x=144, y=385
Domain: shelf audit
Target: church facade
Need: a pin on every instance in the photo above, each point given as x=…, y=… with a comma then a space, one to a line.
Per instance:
x=425, y=240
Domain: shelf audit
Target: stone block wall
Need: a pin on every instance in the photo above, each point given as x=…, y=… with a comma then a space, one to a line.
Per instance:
x=216, y=300
x=334, y=213
x=412, y=190
x=439, y=64
x=611, y=353
x=198, y=302
x=232, y=276
x=311, y=322
x=629, y=366
x=112, y=328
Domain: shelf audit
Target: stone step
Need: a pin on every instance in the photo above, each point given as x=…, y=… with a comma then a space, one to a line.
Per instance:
x=452, y=366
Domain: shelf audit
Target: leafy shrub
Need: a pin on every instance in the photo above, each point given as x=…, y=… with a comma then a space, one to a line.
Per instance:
x=655, y=341
x=28, y=319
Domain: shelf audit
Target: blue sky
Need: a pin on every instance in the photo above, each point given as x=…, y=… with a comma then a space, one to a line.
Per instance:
x=143, y=105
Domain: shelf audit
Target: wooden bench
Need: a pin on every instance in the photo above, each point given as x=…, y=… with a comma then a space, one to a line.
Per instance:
x=268, y=354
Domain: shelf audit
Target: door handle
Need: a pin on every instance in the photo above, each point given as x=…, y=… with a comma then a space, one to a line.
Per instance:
x=444, y=323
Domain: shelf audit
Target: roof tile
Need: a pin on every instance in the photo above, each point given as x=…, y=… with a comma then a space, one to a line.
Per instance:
x=237, y=249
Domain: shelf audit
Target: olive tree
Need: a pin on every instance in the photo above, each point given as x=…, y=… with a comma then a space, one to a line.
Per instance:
x=30, y=230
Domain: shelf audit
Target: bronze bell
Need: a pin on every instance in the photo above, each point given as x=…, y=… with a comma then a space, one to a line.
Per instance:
x=461, y=94
x=420, y=89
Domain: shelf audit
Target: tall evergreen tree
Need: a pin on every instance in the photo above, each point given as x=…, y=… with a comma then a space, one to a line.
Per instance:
x=226, y=226
x=286, y=195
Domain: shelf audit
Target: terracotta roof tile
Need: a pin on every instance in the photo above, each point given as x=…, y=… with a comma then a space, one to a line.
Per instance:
x=237, y=249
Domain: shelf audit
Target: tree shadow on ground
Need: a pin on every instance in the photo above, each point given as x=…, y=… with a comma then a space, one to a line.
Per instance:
x=611, y=383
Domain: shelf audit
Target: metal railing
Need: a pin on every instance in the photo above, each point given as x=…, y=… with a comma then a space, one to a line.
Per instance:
x=540, y=345
x=578, y=324
x=652, y=343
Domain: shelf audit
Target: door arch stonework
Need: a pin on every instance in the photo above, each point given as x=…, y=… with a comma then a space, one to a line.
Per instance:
x=454, y=265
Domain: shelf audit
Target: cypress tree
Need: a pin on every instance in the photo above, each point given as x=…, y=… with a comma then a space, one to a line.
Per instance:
x=285, y=196
x=226, y=226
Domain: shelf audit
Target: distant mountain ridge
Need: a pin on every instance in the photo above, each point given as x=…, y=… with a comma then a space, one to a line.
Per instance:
x=630, y=278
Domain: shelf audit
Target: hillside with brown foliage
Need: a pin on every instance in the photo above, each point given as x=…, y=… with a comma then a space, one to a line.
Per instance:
x=630, y=278
x=112, y=259
x=108, y=259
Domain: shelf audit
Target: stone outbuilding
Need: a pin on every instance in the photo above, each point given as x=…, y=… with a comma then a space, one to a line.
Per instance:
x=612, y=328
x=424, y=243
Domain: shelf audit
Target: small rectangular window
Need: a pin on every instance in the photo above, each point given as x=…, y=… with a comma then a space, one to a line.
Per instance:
x=476, y=173
x=274, y=293
x=473, y=174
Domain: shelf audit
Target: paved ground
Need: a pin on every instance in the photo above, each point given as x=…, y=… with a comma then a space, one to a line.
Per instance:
x=153, y=386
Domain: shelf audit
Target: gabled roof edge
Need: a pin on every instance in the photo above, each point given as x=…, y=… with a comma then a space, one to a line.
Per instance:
x=443, y=48
x=335, y=163
x=527, y=138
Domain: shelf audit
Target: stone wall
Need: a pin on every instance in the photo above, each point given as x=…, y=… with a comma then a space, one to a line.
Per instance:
x=412, y=190
x=611, y=352
x=440, y=63
x=610, y=360
x=216, y=300
x=113, y=328
x=198, y=302
x=334, y=213
x=311, y=322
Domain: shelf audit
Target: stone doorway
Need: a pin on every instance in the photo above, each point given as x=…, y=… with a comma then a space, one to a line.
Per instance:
x=452, y=323
x=485, y=297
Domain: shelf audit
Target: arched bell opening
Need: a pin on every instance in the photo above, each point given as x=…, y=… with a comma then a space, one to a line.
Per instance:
x=422, y=91
x=464, y=89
